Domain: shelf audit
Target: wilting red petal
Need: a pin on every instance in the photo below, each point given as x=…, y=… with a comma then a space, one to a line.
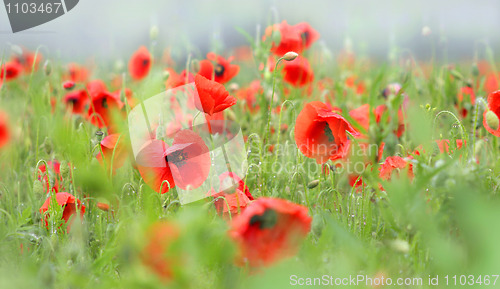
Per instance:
x=140, y=63
x=321, y=133
x=269, y=230
x=67, y=201
x=213, y=97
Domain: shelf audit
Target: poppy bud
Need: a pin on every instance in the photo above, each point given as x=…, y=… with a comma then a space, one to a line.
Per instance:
x=47, y=67
x=426, y=31
x=475, y=70
x=103, y=206
x=69, y=85
x=230, y=115
x=492, y=120
x=166, y=75
x=313, y=184
x=99, y=135
x=64, y=169
x=456, y=74
x=317, y=225
x=153, y=33
x=195, y=66
x=38, y=188
x=289, y=56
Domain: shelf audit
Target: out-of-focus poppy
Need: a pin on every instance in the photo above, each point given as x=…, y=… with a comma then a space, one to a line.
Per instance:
x=68, y=85
x=129, y=96
x=298, y=72
x=69, y=204
x=158, y=254
x=213, y=97
x=185, y=164
x=101, y=109
x=491, y=83
x=10, y=71
x=237, y=200
x=321, y=133
x=289, y=40
x=54, y=173
x=96, y=87
x=77, y=101
x=492, y=114
x=114, y=149
x=269, y=230
x=395, y=163
x=307, y=34
x=27, y=60
x=4, y=130
x=354, y=83
x=76, y=73
x=250, y=93
x=103, y=206
x=444, y=145
x=140, y=63
x=176, y=80
x=218, y=68
x=466, y=99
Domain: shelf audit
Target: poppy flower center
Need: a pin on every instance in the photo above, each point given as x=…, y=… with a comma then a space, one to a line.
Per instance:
x=178, y=158
x=10, y=73
x=73, y=101
x=329, y=133
x=104, y=102
x=265, y=221
x=219, y=70
x=145, y=62
x=305, y=36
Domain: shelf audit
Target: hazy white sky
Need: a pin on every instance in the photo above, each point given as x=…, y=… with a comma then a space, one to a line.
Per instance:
x=114, y=28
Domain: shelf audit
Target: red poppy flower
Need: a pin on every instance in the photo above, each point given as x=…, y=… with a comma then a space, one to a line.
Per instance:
x=218, y=68
x=269, y=230
x=27, y=60
x=236, y=200
x=362, y=116
x=69, y=204
x=77, y=101
x=250, y=94
x=185, y=164
x=290, y=38
x=492, y=113
x=103, y=206
x=157, y=254
x=10, y=71
x=298, y=72
x=96, y=87
x=307, y=34
x=176, y=80
x=444, y=145
x=212, y=96
x=465, y=92
x=101, y=109
x=321, y=133
x=113, y=148
x=491, y=83
x=4, y=130
x=140, y=63
x=76, y=73
x=394, y=163
x=68, y=85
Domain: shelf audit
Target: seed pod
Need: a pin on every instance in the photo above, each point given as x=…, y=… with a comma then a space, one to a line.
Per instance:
x=47, y=67
x=64, y=169
x=313, y=184
x=492, y=120
x=38, y=188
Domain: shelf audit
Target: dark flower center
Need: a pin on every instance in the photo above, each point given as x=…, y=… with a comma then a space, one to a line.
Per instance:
x=145, y=62
x=178, y=158
x=219, y=70
x=329, y=133
x=104, y=102
x=266, y=220
x=10, y=72
x=305, y=36
x=73, y=101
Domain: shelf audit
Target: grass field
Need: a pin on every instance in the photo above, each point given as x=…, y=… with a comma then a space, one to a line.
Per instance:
x=408, y=195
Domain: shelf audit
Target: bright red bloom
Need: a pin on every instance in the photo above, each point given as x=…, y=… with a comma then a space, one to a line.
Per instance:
x=27, y=60
x=185, y=164
x=4, y=130
x=491, y=83
x=362, y=116
x=96, y=87
x=10, y=71
x=176, y=80
x=298, y=72
x=114, y=144
x=158, y=254
x=140, y=63
x=68, y=85
x=307, y=34
x=269, y=230
x=290, y=38
x=218, y=68
x=250, y=94
x=69, y=204
x=489, y=121
x=77, y=101
x=101, y=109
x=321, y=133
x=76, y=73
x=395, y=163
x=213, y=97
